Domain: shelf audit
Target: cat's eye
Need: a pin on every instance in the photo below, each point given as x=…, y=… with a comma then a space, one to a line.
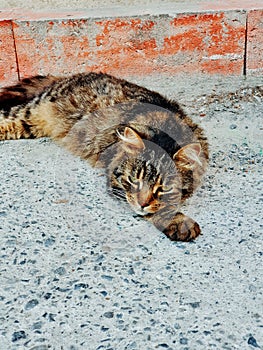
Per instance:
x=134, y=182
x=165, y=190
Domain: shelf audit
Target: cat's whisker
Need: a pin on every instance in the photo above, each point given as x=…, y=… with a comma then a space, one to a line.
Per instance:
x=117, y=193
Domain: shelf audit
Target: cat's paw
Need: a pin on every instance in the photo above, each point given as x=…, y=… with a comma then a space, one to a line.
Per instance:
x=182, y=228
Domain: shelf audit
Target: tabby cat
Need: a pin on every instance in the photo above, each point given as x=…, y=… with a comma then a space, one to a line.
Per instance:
x=154, y=155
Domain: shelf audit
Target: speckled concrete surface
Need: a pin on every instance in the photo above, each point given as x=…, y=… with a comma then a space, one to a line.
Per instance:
x=78, y=271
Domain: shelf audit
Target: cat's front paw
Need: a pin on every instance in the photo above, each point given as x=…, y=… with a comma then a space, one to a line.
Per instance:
x=182, y=228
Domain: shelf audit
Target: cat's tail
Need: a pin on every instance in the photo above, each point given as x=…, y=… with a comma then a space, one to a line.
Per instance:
x=24, y=91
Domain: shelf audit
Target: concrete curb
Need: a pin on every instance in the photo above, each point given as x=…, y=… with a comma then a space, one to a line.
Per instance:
x=180, y=38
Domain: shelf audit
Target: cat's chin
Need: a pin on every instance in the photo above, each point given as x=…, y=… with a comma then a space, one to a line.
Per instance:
x=141, y=212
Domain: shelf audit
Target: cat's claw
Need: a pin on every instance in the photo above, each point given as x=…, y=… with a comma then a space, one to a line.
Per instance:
x=182, y=228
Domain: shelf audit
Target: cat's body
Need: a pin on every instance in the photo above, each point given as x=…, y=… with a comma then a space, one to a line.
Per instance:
x=153, y=153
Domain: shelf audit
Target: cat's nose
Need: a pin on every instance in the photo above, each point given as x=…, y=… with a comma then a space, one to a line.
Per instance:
x=144, y=197
x=144, y=205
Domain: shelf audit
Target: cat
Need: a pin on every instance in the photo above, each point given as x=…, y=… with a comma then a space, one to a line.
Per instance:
x=153, y=153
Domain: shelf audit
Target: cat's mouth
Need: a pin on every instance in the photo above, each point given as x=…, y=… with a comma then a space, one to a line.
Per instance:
x=145, y=210
x=140, y=211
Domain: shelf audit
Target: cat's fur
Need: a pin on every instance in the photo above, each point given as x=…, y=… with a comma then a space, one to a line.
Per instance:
x=153, y=153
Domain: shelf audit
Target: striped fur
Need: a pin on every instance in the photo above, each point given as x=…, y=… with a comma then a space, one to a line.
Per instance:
x=155, y=156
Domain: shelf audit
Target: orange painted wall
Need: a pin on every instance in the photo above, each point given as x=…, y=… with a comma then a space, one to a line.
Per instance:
x=218, y=42
x=8, y=64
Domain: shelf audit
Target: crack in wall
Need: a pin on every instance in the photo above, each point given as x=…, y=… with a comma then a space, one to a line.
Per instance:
x=245, y=47
x=15, y=49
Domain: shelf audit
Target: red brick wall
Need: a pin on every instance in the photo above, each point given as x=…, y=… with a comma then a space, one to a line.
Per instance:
x=8, y=64
x=222, y=41
x=254, y=61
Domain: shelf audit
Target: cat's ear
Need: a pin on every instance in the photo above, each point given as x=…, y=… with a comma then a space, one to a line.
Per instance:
x=131, y=140
x=188, y=157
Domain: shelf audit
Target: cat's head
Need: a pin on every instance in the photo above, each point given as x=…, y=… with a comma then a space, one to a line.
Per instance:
x=148, y=177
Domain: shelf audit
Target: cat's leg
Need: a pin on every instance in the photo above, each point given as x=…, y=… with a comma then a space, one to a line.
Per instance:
x=177, y=227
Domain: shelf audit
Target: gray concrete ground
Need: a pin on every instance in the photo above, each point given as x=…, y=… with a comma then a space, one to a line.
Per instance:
x=78, y=271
